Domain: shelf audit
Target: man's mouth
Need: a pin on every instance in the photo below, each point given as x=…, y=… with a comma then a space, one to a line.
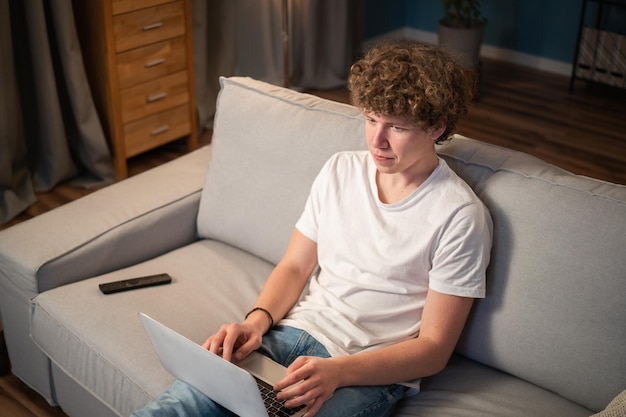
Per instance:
x=381, y=158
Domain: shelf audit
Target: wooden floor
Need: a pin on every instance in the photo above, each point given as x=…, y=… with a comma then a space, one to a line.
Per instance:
x=519, y=108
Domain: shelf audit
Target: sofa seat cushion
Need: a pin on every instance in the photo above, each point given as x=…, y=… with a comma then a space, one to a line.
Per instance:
x=467, y=389
x=98, y=341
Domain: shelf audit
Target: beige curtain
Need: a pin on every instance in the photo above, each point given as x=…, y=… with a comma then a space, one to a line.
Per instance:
x=49, y=129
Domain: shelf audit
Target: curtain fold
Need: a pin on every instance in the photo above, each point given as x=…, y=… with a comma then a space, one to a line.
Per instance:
x=86, y=138
x=324, y=39
x=16, y=188
x=326, y=36
x=244, y=37
x=59, y=112
x=50, y=131
x=214, y=34
x=49, y=127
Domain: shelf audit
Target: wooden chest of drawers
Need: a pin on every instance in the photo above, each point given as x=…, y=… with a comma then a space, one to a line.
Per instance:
x=139, y=61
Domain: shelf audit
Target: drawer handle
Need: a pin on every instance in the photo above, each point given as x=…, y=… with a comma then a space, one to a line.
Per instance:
x=159, y=130
x=156, y=97
x=154, y=63
x=153, y=26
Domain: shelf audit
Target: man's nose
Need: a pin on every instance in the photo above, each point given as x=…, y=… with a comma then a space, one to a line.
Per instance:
x=379, y=137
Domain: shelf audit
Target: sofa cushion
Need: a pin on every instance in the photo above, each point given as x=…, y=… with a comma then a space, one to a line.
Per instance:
x=555, y=306
x=98, y=340
x=467, y=389
x=262, y=165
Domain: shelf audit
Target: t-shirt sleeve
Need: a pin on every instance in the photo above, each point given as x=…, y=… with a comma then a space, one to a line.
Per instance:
x=308, y=222
x=462, y=255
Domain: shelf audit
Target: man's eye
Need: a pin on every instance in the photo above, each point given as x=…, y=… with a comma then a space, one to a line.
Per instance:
x=398, y=128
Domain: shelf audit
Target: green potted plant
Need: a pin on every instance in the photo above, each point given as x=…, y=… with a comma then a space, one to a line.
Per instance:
x=461, y=29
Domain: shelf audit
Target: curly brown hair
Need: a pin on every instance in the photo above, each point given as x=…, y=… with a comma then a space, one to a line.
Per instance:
x=408, y=78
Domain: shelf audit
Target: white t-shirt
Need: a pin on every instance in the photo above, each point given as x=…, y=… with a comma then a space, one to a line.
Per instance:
x=377, y=261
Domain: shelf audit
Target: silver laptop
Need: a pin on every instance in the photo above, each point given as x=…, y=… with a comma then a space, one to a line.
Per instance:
x=241, y=388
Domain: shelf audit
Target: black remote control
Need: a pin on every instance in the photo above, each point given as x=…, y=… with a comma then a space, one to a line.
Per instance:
x=134, y=283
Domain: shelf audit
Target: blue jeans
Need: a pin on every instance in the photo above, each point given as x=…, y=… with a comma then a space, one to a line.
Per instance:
x=283, y=344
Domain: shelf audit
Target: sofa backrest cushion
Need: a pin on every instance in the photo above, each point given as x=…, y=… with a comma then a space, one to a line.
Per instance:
x=268, y=144
x=555, y=308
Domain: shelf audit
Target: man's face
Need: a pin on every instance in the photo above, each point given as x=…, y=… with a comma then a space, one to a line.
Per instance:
x=397, y=144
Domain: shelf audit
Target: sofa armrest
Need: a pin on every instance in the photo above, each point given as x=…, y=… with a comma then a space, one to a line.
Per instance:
x=120, y=225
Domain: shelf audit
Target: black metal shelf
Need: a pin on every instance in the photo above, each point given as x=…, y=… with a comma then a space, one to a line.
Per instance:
x=601, y=51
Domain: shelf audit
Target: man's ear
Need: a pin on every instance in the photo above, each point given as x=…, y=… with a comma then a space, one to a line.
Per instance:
x=436, y=132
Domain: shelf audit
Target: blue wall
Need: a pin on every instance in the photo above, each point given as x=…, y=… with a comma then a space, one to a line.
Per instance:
x=544, y=28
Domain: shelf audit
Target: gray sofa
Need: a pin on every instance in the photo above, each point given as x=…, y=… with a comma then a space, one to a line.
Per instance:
x=549, y=339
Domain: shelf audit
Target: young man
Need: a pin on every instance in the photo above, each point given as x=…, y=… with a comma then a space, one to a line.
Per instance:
x=402, y=245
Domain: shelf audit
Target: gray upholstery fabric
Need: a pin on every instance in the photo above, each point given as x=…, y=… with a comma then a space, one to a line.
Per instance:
x=466, y=388
x=99, y=341
x=265, y=157
x=556, y=279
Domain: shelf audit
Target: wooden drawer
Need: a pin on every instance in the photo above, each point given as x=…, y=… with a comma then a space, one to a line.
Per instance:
x=156, y=130
x=154, y=96
x=146, y=26
x=138, y=57
x=125, y=6
x=151, y=62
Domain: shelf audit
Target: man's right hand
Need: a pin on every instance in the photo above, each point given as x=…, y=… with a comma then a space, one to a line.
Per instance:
x=235, y=341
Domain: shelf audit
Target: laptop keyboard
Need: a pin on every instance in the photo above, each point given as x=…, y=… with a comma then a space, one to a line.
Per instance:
x=274, y=406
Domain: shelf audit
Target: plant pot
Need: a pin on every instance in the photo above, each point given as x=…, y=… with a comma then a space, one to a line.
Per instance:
x=464, y=42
